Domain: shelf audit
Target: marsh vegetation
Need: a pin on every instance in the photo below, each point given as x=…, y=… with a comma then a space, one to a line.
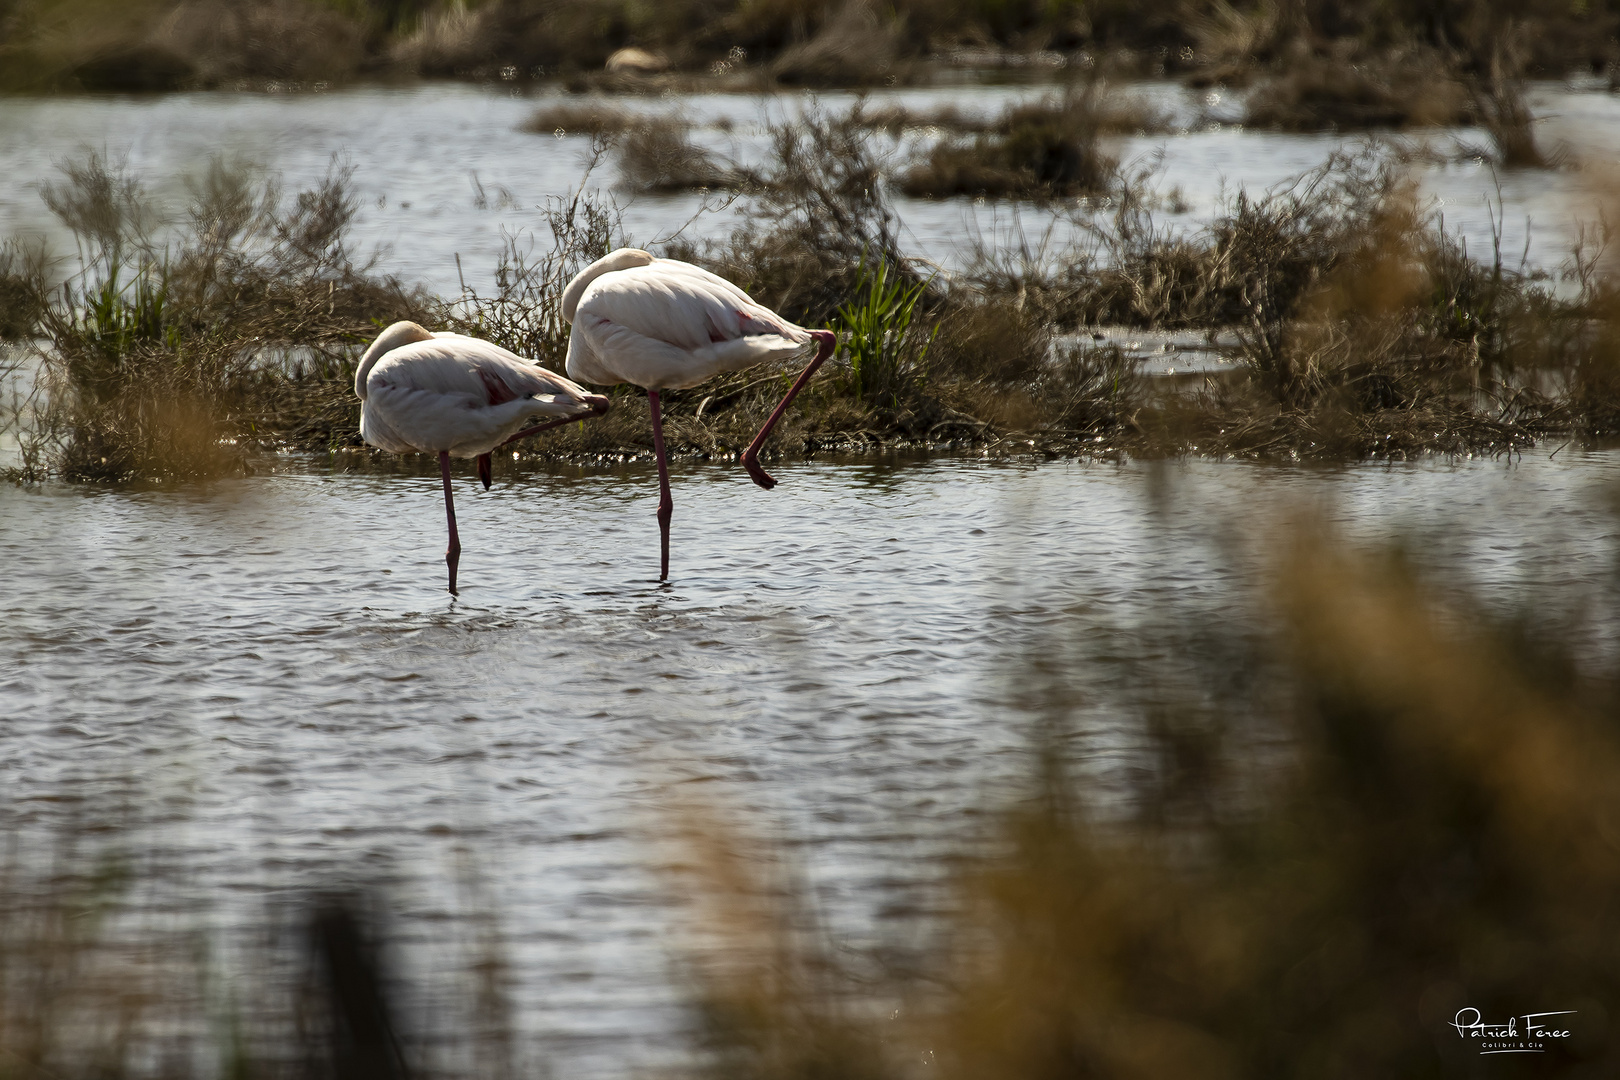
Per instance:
x=1354, y=323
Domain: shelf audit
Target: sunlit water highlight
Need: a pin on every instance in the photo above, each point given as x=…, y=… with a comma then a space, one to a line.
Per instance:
x=266, y=673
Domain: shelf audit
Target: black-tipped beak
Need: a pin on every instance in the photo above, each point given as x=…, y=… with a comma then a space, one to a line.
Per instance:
x=598, y=404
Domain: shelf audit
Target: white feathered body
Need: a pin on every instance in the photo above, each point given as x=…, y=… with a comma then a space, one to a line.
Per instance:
x=665, y=324
x=428, y=393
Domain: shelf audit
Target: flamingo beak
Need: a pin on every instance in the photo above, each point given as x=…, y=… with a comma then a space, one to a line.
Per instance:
x=597, y=404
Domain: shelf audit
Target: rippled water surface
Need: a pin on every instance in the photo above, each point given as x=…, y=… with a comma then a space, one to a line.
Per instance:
x=267, y=672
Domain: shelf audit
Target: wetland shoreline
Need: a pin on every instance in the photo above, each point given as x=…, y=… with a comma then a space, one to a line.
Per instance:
x=1339, y=320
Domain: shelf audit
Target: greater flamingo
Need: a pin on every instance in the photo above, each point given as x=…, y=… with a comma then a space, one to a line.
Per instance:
x=457, y=396
x=663, y=324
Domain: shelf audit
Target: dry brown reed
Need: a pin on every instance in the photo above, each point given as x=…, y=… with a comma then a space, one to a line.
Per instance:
x=108, y=970
x=1381, y=810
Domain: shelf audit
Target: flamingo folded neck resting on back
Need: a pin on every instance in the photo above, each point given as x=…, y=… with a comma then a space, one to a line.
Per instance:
x=663, y=324
x=458, y=396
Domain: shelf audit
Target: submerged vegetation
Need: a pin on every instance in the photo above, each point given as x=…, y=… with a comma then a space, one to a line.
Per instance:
x=1353, y=323
x=1327, y=836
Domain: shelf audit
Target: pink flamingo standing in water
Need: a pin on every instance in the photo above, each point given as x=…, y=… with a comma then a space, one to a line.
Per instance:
x=662, y=324
x=458, y=396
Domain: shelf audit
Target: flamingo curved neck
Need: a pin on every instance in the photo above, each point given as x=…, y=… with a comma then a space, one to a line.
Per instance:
x=401, y=333
x=623, y=259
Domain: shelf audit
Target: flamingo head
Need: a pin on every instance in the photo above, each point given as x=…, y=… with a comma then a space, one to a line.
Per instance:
x=623, y=259
x=401, y=333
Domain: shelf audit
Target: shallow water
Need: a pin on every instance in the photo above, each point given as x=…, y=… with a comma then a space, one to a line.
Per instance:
x=444, y=170
x=266, y=675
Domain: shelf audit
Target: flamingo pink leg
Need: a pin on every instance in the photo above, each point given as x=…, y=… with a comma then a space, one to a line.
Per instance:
x=826, y=341
x=666, y=505
x=452, y=554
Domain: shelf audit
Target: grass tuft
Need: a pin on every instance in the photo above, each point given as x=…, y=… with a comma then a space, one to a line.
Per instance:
x=875, y=331
x=1048, y=149
x=1330, y=94
x=173, y=360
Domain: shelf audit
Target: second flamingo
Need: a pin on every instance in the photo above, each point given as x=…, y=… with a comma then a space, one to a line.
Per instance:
x=662, y=324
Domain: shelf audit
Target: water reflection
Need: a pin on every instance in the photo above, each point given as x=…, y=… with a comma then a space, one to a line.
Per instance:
x=268, y=670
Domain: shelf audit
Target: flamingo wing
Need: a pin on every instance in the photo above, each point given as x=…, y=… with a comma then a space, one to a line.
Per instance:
x=670, y=325
x=459, y=394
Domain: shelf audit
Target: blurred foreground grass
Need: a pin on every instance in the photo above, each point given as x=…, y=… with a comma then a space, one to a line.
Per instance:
x=1378, y=810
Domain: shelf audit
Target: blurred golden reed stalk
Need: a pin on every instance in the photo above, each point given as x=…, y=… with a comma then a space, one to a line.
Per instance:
x=1445, y=835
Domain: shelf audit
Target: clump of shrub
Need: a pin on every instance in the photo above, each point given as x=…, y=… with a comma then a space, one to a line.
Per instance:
x=582, y=118
x=1329, y=93
x=655, y=152
x=1592, y=399
x=20, y=267
x=818, y=209
x=1501, y=106
x=658, y=156
x=172, y=358
x=857, y=45
x=1042, y=150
